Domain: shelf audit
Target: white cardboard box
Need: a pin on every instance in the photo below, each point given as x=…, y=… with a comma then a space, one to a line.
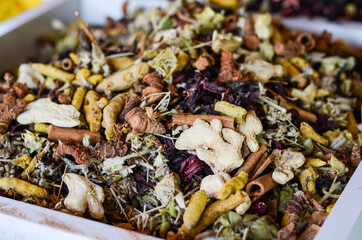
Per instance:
x=24, y=221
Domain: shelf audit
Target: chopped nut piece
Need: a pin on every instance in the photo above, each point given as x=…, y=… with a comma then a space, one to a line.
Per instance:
x=203, y=61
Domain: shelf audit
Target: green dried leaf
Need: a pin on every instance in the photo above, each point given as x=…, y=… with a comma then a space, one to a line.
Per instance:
x=284, y=196
x=208, y=20
x=165, y=63
x=33, y=141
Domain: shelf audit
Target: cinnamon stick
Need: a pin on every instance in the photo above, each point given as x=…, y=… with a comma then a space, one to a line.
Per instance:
x=262, y=164
x=260, y=186
x=252, y=160
x=72, y=135
x=189, y=119
x=303, y=114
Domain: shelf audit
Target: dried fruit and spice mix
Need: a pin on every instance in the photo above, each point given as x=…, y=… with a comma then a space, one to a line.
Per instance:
x=192, y=121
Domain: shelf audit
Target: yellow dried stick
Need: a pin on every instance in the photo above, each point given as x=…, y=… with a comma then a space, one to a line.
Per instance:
x=233, y=185
x=78, y=97
x=124, y=79
x=23, y=187
x=309, y=132
x=93, y=113
x=231, y=110
x=75, y=58
x=41, y=127
x=95, y=79
x=53, y=72
x=111, y=112
x=211, y=213
x=195, y=208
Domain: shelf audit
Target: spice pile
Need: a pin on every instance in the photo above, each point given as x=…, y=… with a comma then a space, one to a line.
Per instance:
x=193, y=121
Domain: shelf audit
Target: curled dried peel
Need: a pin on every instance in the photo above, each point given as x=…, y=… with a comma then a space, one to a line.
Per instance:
x=45, y=111
x=84, y=194
x=218, y=147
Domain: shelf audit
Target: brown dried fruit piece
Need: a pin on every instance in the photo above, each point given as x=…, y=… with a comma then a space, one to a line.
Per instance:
x=9, y=110
x=110, y=149
x=142, y=121
x=228, y=70
x=355, y=156
x=154, y=82
x=132, y=101
x=77, y=151
x=289, y=49
x=203, y=61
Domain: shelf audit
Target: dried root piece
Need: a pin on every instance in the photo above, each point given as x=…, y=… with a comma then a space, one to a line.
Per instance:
x=142, y=121
x=23, y=187
x=195, y=208
x=93, y=110
x=212, y=184
x=45, y=111
x=78, y=97
x=286, y=162
x=110, y=114
x=78, y=152
x=204, y=61
x=231, y=110
x=228, y=70
x=83, y=194
x=52, y=72
x=250, y=129
x=9, y=110
x=110, y=149
x=210, y=215
x=154, y=82
x=261, y=69
x=233, y=185
x=296, y=205
x=217, y=146
x=123, y=79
